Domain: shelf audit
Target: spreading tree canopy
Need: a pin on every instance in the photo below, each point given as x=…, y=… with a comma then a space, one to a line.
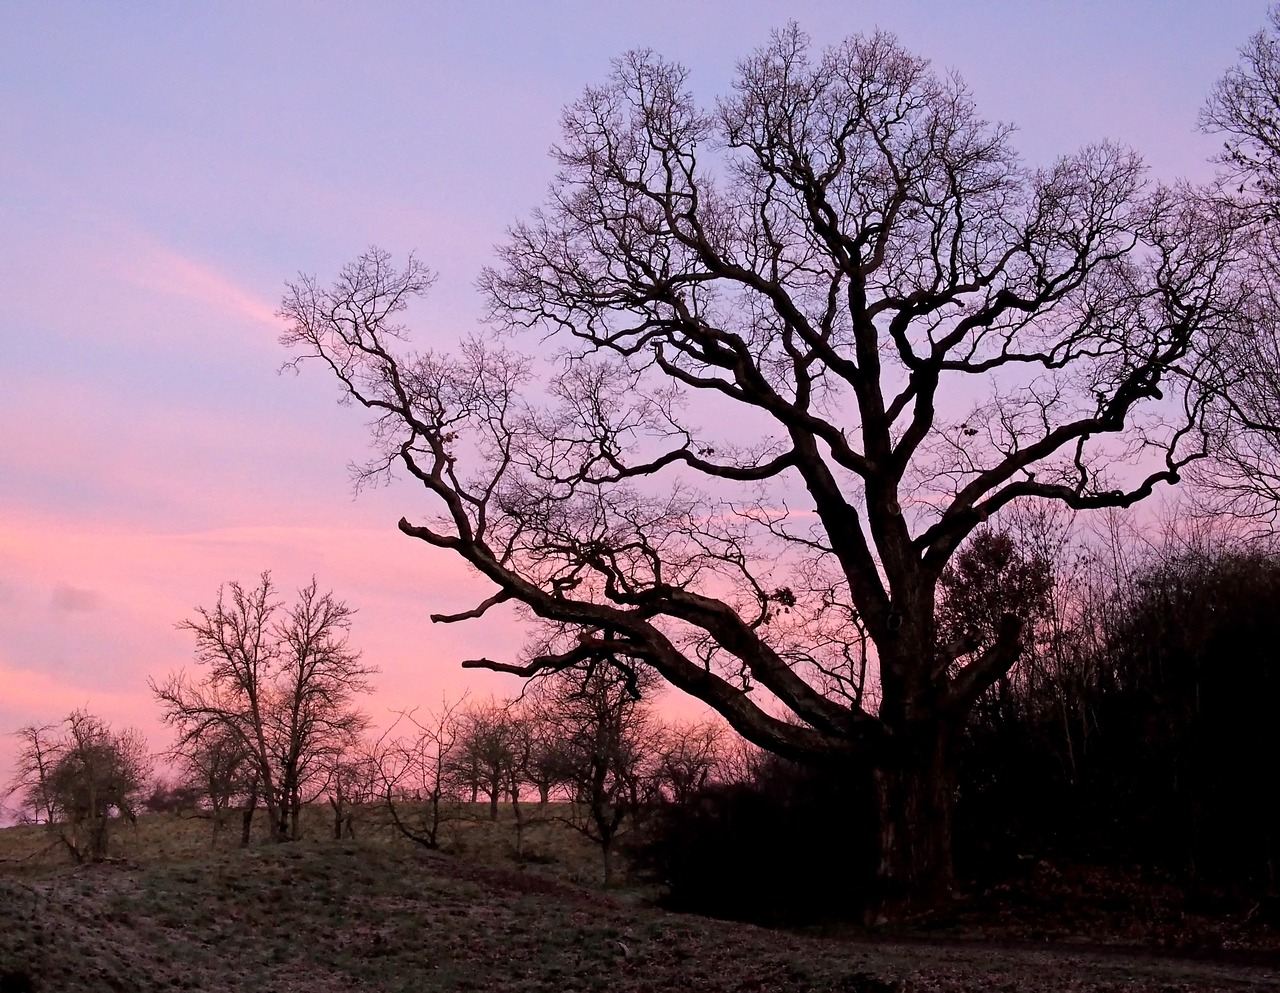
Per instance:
x=806, y=341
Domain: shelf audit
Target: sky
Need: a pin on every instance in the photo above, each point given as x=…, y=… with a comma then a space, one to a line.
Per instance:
x=165, y=169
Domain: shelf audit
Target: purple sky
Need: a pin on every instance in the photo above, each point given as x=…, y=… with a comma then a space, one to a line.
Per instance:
x=164, y=169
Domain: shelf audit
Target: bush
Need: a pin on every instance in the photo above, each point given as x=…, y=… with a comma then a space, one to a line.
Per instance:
x=793, y=845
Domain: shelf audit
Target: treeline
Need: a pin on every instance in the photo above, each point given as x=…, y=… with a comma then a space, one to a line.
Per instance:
x=582, y=747
x=1137, y=728
x=268, y=722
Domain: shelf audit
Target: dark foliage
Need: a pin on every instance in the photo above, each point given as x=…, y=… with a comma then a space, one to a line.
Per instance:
x=1192, y=749
x=167, y=798
x=1149, y=746
x=792, y=845
x=1176, y=752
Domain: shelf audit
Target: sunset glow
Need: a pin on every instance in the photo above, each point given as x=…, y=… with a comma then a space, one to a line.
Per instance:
x=167, y=169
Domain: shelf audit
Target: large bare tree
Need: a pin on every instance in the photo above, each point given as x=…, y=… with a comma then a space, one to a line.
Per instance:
x=280, y=681
x=1243, y=477
x=805, y=342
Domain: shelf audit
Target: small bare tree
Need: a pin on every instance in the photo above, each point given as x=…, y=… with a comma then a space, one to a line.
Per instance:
x=280, y=684
x=82, y=779
x=545, y=762
x=522, y=757
x=418, y=773
x=485, y=757
x=219, y=769
x=689, y=757
x=353, y=782
x=37, y=753
x=609, y=738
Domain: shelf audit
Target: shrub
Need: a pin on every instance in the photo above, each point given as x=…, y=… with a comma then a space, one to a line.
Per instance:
x=793, y=845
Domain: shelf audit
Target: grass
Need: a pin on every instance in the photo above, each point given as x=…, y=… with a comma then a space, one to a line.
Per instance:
x=171, y=913
x=550, y=846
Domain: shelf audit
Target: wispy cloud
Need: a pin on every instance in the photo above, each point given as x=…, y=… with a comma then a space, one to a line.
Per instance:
x=160, y=269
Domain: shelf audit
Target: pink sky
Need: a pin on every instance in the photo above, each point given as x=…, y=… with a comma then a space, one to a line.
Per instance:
x=165, y=169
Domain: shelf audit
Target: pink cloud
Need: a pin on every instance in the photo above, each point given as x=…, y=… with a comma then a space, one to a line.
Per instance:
x=198, y=463
x=157, y=268
x=35, y=697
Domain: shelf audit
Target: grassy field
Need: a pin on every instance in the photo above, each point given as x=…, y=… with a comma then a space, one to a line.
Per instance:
x=550, y=846
x=169, y=912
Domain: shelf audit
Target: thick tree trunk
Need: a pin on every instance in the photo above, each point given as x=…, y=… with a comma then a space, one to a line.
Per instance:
x=99, y=827
x=275, y=811
x=915, y=794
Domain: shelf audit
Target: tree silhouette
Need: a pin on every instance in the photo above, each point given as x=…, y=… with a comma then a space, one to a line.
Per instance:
x=1243, y=477
x=280, y=683
x=809, y=340
x=82, y=779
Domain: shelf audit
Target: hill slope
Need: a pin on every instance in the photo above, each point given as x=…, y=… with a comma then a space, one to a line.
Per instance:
x=334, y=916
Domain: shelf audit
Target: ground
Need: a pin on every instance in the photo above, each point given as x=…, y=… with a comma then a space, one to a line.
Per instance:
x=321, y=915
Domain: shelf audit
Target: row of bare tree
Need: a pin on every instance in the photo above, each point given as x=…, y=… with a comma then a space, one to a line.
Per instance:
x=585, y=748
x=269, y=719
x=589, y=739
x=1134, y=726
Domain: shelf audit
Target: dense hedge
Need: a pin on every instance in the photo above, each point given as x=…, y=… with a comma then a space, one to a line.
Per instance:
x=1165, y=754
x=1158, y=746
